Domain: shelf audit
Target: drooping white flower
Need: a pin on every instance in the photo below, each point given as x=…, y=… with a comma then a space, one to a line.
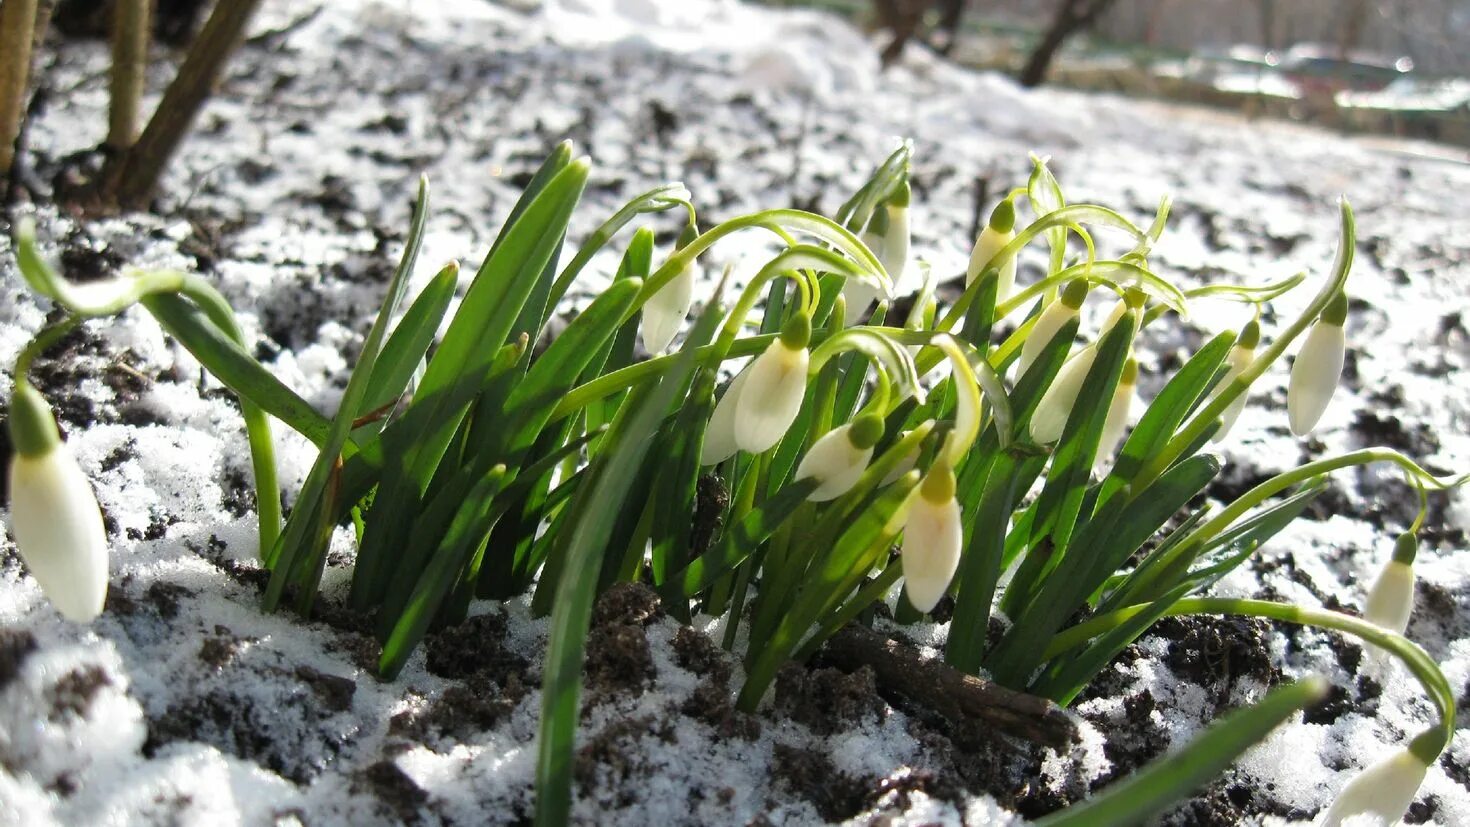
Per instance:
x=719, y=434
x=54, y=516
x=1380, y=793
x=896, y=241
x=665, y=311
x=1118, y=409
x=1242, y=353
x=999, y=231
x=840, y=456
x=1052, y=318
x=1318, y=368
x=1391, y=599
x=1051, y=413
x=771, y=396
x=932, y=536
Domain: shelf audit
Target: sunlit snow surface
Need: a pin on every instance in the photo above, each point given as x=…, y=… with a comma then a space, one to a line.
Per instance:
x=308, y=159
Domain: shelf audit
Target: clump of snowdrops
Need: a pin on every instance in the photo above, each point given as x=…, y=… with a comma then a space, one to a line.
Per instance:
x=979, y=452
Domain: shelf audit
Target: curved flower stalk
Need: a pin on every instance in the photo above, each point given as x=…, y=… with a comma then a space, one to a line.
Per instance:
x=665, y=311
x=1391, y=599
x=1242, y=353
x=1318, y=368
x=999, y=231
x=54, y=515
x=1052, y=318
x=839, y=457
x=932, y=531
x=1382, y=792
x=1118, y=409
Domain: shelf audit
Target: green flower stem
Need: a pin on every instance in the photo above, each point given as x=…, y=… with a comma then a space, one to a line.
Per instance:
x=891, y=358
x=1252, y=295
x=1419, y=663
x=774, y=221
x=666, y=197
x=873, y=591
x=1182, y=554
x=636, y=374
x=1211, y=411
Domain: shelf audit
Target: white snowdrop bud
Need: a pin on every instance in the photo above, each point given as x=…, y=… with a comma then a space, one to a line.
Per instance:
x=1318, y=368
x=1051, y=413
x=895, y=253
x=1117, y=418
x=54, y=516
x=1052, y=318
x=665, y=311
x=932, y=536
x=1381, y=793
x=1242, y=353
x=719, y=435
x=998, y=232
x=840, y=457
x=1391, y=599
x=771, y=396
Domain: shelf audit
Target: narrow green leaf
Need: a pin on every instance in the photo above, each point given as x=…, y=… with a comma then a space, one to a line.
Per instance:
x=405, y=348
x=598, y=502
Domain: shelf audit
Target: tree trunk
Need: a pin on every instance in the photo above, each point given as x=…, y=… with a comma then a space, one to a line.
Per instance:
x=140, y=168
x=17, y=29
x=1071, y=17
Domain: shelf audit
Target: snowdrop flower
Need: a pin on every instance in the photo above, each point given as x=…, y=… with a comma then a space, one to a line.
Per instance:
x=1117, y=419
x=1242, y=353
x=1317, y=369
x=1381, y=793
x=895, y=253
x=998, y=232
x=1391, y=600
x=770, y=396
x=1056, y=404
x=664, y=312
x=1052, y=318
x=857, y=293
x=907, y=463
x=932, y=536
x=840, y=456
x=719, y=435
x=54, y=516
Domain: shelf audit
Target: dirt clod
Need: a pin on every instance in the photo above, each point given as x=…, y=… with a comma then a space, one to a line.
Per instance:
x=477, y=645
x=828, y=700
x=15, y=646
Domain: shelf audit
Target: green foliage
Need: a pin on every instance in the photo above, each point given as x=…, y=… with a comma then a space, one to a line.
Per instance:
x=495, y=463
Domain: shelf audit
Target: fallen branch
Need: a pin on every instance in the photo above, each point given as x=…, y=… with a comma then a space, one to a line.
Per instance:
x=946, y=690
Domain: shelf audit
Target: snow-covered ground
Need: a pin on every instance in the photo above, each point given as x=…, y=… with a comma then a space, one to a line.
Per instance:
x=184, y=704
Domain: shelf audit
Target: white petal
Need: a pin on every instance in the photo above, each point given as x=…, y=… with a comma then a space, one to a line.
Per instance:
x=771, y=398
x=931, y=550
x=1314, y=376
x=1239, y=359
x=58, y=531
x=1383, y=791
x=989, y=243
x=906, y=463
x=719, y=435
x=895, y=254
x=1391, y=600
x=859, y=296
x=1047, y=324
x=665, y=311
x=1056, y=404
x=1115, y=424
x=836, y=462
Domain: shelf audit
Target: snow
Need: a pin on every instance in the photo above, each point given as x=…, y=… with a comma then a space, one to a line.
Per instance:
x=768, y=107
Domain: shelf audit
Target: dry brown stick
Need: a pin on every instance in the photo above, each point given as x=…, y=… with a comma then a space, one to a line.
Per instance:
x=130, y=26
x=948, y=691
x=17, y=29
x=144, y=163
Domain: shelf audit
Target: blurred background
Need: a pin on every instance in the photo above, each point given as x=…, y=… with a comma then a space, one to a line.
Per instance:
x=1398, y=67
